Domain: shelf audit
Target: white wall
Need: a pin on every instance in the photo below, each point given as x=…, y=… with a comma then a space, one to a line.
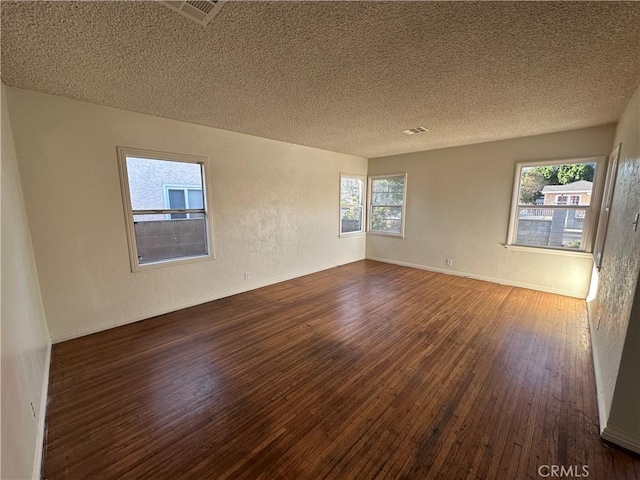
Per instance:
x=25, y=341
x=275, y=211
x=615, y=310
x=458, y=205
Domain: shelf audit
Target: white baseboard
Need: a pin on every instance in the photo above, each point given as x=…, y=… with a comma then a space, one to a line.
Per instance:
x=98, y=328
x=252, y=286
x=621, y=438
x=42, y=415
x=607, y=432
x=501, y=281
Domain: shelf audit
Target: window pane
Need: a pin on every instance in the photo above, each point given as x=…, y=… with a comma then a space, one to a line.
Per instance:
x=159, y=239
x=176, y=200
x=544, y=187
x=149, y=178
x=387, y=198
x=557, y=184
x=384, y=185
x=195, y=198
x=550, y=227
x=351, y=219
x=386, y=219
x=351, y=191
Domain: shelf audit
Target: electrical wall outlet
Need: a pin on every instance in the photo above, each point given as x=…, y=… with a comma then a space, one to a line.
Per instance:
x=449, y=262
x=247, y=276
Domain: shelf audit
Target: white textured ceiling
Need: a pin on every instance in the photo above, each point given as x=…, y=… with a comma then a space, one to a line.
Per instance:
x=343, y=76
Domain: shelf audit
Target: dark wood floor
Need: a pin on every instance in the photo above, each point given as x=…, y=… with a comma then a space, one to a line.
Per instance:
x=364, y=371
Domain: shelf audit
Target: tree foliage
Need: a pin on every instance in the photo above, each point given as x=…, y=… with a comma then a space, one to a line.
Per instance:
x=531, y=184
x=575, y=172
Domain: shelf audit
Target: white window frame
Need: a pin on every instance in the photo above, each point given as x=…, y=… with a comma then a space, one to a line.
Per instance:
x=185, y=189
x=123, y=153
x=370, y=206
x=591, y=220
x=607, y=199
x=362, y=205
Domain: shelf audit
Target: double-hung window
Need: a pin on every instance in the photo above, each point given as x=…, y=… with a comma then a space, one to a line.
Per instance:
x=166, y=208
x=387, y=202
x=352, y=195
x=553, y=204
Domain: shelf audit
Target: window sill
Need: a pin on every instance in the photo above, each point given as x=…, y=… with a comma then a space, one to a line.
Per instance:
x=549, y=251
x=171, y=263
x=381, y=234
x=350, y=234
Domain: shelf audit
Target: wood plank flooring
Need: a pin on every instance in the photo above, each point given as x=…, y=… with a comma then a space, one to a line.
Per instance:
x=365, y=371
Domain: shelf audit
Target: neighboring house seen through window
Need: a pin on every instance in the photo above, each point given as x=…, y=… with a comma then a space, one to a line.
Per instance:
x=165, y=207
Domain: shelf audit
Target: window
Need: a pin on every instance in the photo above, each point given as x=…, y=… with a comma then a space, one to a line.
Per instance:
x=552, y=204
x=387, y=204
x=165, y=203
x=183, y=197
x=351, y=204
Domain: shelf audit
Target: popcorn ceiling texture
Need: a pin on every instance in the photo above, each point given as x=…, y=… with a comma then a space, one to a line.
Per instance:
x=342, y=76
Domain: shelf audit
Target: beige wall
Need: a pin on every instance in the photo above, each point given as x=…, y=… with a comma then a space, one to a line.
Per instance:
x=275, y=211
x=458, y=205
x=615, y=311
x=25, y=341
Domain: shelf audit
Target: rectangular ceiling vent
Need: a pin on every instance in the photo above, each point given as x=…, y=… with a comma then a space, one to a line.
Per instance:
x=200, y=11
x=414, y=131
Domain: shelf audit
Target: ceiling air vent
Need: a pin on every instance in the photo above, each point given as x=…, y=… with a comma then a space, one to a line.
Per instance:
x=414, y=131
x=200, y=11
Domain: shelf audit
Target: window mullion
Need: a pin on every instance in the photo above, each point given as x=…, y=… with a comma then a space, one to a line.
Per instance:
x=555, y=207
x=168, y=210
